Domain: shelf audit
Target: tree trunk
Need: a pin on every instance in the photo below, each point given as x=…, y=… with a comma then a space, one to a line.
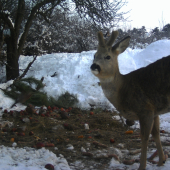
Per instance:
x=12, y=67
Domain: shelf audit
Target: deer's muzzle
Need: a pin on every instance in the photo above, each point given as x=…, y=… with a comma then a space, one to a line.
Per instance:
x=95, y=68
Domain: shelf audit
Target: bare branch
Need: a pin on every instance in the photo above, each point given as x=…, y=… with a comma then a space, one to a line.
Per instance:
x=44, y=16
x=33, y=14
x=26, y=70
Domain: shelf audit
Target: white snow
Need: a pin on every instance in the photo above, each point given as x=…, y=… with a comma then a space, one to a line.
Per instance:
x=71, y=72
x=29, y=159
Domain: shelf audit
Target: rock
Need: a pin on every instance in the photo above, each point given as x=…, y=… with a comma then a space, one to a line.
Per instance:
x=120, y=145
x=134, y=152
x=53, y=114
x=88, y=144
x=49, y=166
x=70, y=147
x=87, y=154
x=14, y=144
x=98, y=135
x=31, y=133
x=115, y=151
x=5, y=111
x=21, y=134
x=21, y=129
x=6, y=123
x=58, y=127
x=4, y=130
x=15, y=113
x=43, y=110
x=39, y=145
x=30, y=109
x=64, y=115
x=114, y=156
x=26, y=120
x=112, y=141
x=125, y=151
x=68, y=126
x=13, y=129
x=130, y=122
x=49, y=145
x=83, y=150
x=129, y=162
x=99, y=144
x=61, y=156
x=86, y=126
x=4, y=133
x=102, y=155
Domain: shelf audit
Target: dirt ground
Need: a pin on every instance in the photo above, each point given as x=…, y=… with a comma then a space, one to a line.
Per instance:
x=59, y=130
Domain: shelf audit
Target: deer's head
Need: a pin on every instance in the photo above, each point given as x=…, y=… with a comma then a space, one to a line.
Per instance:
x=105, y=64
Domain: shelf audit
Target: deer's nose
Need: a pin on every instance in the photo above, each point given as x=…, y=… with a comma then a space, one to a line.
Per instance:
x=95, y=67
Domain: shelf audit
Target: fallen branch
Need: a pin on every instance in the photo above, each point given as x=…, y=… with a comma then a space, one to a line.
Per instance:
x=99, y=144
x=134, y=152
x=87, y=154
x=153, y=156
x=26, y=70
x=150, y=159
x=129, y=162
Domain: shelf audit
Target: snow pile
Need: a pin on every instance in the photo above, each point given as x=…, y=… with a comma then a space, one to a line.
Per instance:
x=68, y=72
x=152, y=53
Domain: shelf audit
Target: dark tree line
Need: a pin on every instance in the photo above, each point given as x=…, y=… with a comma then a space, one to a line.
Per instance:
x=140, y=38
x=70, y=34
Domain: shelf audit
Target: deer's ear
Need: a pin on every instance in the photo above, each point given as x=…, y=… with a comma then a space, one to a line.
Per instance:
x=101, y=39
x=112, y=38
x=121, y=46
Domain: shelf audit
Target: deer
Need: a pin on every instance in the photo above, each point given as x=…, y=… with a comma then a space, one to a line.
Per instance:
x=142, y=95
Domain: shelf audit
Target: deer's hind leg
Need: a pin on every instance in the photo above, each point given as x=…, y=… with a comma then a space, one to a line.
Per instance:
x=146, y=123
x=156, y=135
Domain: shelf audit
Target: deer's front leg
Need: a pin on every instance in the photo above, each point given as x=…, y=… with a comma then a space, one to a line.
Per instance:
x=146, y=123
x=156, y=135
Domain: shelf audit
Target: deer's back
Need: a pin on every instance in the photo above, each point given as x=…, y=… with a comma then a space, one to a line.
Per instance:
x=147, y=89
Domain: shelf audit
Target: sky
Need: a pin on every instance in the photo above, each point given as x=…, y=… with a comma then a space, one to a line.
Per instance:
x=148, y=13
x=74, y=75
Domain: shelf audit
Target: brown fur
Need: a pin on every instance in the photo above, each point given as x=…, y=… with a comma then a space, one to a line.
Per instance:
x=141, y=95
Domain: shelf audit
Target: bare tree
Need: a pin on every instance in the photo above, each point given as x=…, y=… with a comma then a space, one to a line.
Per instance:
x=162, y=22
x=18, y=16
x=1, y=38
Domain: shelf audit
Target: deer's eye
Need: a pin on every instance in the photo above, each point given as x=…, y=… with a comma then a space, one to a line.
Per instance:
x=108, y=57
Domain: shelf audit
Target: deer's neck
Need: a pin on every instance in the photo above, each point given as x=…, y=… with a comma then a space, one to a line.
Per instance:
x=111, y=87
